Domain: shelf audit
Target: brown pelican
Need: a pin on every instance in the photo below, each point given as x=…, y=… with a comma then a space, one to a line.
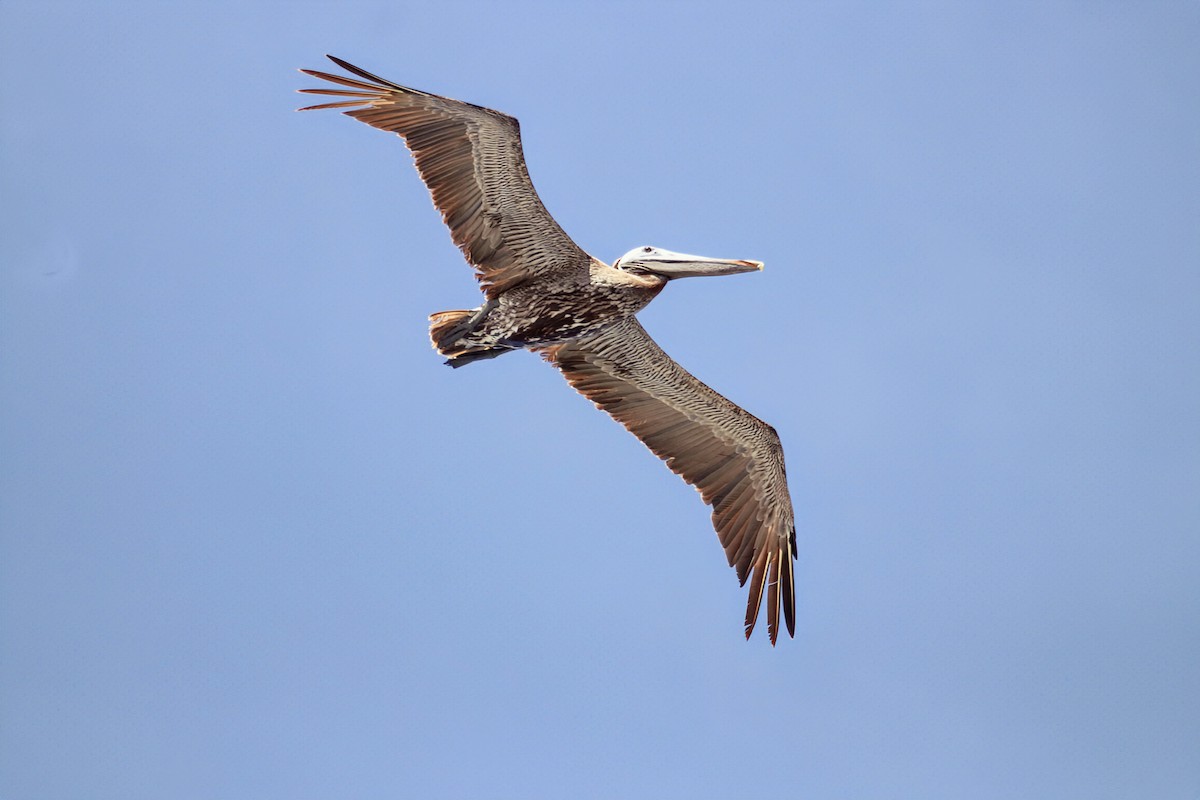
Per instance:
x=543, y=293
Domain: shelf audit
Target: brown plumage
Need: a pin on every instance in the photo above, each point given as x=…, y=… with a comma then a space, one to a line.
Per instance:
x=546, y=294
x=731, y=456
x=470, y=158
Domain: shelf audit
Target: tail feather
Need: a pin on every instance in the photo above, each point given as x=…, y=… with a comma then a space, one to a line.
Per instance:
x=446, y=328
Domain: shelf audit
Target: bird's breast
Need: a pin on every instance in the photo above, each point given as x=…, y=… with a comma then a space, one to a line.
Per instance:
x=545, y=315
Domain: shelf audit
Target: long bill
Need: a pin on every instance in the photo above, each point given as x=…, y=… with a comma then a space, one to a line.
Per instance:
x=682, y=265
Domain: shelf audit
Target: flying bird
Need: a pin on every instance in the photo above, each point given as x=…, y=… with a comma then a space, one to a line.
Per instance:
x=543, y=293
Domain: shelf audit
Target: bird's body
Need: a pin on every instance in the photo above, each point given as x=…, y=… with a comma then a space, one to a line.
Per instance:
x=544, y=293
x=547, y=311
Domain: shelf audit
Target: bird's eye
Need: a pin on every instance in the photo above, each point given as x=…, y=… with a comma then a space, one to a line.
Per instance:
x=647, y=249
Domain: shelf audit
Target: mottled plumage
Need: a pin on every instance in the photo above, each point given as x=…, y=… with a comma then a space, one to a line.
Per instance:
x=546, y=294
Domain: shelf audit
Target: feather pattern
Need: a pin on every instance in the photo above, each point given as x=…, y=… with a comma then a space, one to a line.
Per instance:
x=732, y=457
x=471, y=159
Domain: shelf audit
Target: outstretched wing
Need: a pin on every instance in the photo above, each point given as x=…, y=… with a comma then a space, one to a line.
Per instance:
x=732, y=457
x=470, y=158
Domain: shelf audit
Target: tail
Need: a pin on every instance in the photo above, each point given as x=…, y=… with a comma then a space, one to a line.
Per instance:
x=446, y=331
x=446, y=328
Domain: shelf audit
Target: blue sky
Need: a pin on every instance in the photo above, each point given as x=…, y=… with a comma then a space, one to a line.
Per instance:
x=255, y=541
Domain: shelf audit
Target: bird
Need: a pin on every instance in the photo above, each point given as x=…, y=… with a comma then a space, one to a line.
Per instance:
x=543, y=293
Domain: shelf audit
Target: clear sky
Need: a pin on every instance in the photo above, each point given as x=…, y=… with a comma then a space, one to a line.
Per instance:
x=257, y=542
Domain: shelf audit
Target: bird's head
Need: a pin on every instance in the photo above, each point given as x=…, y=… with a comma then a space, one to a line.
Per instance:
x=668, y=265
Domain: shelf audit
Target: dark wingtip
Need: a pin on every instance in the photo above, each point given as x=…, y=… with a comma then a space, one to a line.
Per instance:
x=306, y=72
x=346, y=65
x=787, y=579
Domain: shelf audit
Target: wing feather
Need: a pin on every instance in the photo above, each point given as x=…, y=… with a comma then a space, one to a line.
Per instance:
x=733, y=458
x=471, y=159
